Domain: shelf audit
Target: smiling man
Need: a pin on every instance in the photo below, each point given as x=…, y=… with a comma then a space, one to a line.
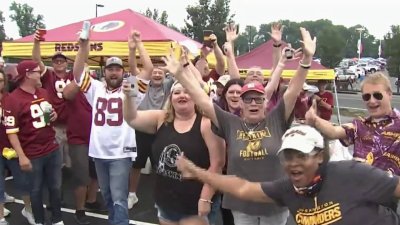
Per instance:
x=376, y=138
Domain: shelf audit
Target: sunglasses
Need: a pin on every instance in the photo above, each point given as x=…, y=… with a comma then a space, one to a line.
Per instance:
x=377, y=95
x=257, y=100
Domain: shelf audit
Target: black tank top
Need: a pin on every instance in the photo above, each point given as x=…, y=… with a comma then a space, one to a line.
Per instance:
x=172, y=193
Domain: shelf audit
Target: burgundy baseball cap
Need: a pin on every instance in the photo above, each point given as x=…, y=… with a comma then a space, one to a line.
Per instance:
x=257, y=87
x=25, y=66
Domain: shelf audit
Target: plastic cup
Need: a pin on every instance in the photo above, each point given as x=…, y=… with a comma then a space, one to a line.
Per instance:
x=42, y=33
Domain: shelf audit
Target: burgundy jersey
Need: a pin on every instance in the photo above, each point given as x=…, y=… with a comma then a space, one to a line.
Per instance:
x=4, y=143
x=79, y=120
x=24, y=116
x=55, y=87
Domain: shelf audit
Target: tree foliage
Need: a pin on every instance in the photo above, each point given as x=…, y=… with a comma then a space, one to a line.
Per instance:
x=2, y=30
x=207, y=15
x=155, y=15
x=27, y=22
x=391, y=50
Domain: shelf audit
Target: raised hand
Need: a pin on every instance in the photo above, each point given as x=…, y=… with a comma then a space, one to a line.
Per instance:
x=185, y=166
x=296, y=54
x=309, y=44
x=311, y=114
x=213, y=39
x=134, y=39
x=276, y=32
x=231, y=32
x=172, y=65
x=228, y=49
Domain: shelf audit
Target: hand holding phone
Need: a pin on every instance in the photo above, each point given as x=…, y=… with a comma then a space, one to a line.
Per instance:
x=207, y=38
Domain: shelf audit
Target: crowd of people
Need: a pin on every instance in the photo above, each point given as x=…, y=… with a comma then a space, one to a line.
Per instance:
x=260, y=148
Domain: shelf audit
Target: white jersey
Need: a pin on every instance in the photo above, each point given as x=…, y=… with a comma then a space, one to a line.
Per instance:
x=110, y=136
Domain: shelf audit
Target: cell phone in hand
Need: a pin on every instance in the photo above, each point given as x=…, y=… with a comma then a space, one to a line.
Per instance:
x=134, y=84
x=289, y=53
x=206, y=38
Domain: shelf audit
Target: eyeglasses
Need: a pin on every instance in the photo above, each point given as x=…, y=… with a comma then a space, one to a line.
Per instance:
x=257, y=100
x=289, y=156
x=377, y=95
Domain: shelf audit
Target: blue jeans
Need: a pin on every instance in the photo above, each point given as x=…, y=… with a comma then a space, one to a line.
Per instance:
x=46, y=170
x=113, y=178
x=20, y=177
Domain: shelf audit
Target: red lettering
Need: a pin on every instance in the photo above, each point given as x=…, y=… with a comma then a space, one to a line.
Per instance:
x=99, y=47
x=57, y=48
x=64, y=47
x=76, y=47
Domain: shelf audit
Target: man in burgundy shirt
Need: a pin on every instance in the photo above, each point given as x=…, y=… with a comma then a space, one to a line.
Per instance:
x=54, y=81
x=33, y=138
x=325, y=101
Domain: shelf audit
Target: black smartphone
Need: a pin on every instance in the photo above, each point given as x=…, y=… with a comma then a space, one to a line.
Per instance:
x=289, y=53
x=206, y=38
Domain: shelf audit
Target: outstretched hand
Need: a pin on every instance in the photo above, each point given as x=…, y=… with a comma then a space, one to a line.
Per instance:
x=309, y=44
x=172, y=65
x=311, y=114
x=276, y=32
x=231, y=32
x=185, y=166
x=296, y=54
x=228, y=49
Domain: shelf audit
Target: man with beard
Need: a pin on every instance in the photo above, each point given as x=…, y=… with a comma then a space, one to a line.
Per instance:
x=112, y=142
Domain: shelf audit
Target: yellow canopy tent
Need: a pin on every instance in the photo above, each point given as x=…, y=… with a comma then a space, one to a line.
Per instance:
x=109, y=37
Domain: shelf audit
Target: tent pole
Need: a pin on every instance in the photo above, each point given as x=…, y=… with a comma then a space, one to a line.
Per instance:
x=337, y=102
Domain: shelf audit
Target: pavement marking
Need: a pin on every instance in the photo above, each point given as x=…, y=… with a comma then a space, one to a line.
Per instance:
x=343, y=107
x=91, y=214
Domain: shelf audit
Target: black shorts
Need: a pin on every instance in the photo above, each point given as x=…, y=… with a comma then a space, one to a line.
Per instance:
x=144, y=142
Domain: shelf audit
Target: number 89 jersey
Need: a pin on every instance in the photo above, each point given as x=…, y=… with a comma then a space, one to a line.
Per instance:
x=110, y=136
x=23, y=115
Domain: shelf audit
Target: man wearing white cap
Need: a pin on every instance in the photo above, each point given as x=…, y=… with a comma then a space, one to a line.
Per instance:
x=315, y=191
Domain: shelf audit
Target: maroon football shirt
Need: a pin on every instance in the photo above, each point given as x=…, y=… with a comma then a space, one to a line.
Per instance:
x=322, y=111
x=3, y=136
x=79, y=120
x=55, y=86
x=24, y=116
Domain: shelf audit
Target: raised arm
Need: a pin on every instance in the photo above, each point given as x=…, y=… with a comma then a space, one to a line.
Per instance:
x=36, y=54
x=233, y=69
x=276, y=35
x=219, y=56
x=185, y=77
x=191, y=67
x=145, y=121
x=216, y=150
x=324, y=126
x=135, y=42
x=233, y=185
x=81, y=58
x=71, y=90
x=296, y=83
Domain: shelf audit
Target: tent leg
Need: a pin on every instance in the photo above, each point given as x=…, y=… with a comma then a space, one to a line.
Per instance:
x=337, y=102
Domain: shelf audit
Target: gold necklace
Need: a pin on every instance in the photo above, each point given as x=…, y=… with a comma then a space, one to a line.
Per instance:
x=250, y=131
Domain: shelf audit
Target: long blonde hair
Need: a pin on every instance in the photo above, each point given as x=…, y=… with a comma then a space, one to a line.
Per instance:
x=169, y=108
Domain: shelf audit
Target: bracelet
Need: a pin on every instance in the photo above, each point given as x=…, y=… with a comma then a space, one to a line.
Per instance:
x=304, y=66
x=277, y=45
x=205, y=200
x=185, y=65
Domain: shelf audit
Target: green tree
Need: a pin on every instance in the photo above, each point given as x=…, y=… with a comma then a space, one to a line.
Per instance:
x=330, y=46
x=207, y=15
x=391, y=50
x=27, y=22
x=2, y=31
x=163, y=19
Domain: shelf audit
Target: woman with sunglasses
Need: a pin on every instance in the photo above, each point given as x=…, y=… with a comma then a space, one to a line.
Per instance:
x=254, y=138
x=315, y=190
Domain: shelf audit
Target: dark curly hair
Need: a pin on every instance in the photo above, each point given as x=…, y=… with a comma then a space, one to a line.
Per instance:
x=222, y=101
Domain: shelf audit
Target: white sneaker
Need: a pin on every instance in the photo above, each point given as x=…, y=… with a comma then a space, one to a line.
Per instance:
x=8, y=198
x=6, y=212
x=4, y=222
x=29, y=216
x=132, y=200
x=59, y=223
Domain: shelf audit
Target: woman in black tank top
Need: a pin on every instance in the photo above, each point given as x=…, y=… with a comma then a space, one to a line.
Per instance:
x=178, y=129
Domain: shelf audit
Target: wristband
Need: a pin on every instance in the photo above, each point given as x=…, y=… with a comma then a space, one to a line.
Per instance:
x=305, y=66
x=205, y=200
x=277, y=45
x=185, y=65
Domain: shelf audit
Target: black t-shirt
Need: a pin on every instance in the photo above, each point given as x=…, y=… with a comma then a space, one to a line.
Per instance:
x=352, y=193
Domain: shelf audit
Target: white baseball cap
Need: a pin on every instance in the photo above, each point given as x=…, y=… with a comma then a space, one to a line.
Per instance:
x=302, y=138
x=223, y=80
x=114, y=61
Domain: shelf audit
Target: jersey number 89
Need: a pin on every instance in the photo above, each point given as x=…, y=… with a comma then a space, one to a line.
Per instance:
x=108, y=111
